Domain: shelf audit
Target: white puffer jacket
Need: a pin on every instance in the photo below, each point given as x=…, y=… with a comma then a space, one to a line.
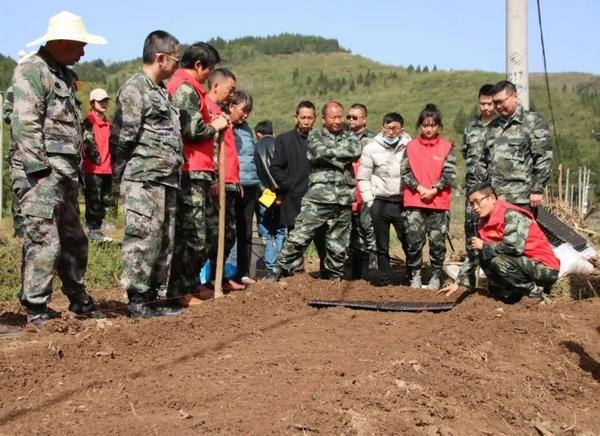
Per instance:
x=380, y=169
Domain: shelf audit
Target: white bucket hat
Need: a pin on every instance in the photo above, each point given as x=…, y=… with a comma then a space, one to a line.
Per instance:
x=66, y=25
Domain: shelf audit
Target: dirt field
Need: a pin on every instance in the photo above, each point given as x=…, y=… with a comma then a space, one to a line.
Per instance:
x=263, y=362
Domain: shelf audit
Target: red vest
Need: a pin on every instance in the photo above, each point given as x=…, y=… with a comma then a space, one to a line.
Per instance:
x=537, y=246
x=198, y=154
x=101, y=130
x=427, y=160
x=357, y=204
x=232, y=161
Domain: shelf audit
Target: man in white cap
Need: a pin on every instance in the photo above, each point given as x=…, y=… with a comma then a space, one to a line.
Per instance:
x=97, y=170
x=47, y=130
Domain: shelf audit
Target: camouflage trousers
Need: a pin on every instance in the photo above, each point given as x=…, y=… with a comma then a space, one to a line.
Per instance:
x=193, y=203
x=97, y=189
x=19, y=187
x=426, y=224
x=512, y=277
x=362, y=241
x=312, y=216
x=212, y=223
x=53, y=239
x=148, y=238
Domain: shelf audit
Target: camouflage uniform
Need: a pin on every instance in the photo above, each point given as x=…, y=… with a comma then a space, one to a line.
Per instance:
x=472, y=148
x=517, y=157
x=18, y=178
x=146, y=154
x=423, y=224
x=328, y=200
x=47, y=131
x=510, y=274
x=193, y=201
x=362, y=235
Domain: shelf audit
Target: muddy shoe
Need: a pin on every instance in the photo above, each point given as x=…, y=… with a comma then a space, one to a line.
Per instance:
x=140, y=310
x=415, y=281
x=87, y=309
x=536, y=293
x=434, y=283
x=38, y=316
x=9, y=331
x=272, y=277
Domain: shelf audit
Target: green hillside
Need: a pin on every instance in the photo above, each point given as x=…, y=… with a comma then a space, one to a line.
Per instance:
x=280, y=71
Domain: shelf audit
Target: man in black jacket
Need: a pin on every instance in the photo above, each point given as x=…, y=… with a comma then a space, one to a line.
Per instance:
x=290, y=169
x=269, y=226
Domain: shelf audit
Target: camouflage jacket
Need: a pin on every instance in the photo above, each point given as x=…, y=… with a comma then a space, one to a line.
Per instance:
x=472, y=149
x=6, y=116
x=46, y=118
x=517, y=157
x=145, y=142
x=365, y=136
x=193, y=126
x=331, y=178
x=516, y=231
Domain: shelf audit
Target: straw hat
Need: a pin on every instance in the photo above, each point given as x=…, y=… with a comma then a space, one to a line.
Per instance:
x=66, y=25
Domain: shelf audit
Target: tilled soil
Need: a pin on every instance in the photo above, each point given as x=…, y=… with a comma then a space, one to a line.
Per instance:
x=262, y=361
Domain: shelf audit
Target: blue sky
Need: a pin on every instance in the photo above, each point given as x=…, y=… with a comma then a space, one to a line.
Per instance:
x=453, y=34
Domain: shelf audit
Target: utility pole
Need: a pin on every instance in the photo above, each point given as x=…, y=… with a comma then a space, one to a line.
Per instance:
x=517, y=70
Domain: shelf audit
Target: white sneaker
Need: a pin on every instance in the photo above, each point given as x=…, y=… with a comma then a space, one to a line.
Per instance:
x=247, y=280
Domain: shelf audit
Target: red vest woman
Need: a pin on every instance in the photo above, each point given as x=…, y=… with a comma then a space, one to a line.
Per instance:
x=429, y=171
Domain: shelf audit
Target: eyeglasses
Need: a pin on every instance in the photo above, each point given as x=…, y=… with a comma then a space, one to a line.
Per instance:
x=352, y=117
x=499, y=102
x=177, y=60
x=392, y=128
x=477, y=202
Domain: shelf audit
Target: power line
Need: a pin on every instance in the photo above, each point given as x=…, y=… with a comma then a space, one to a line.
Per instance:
x=539, y=10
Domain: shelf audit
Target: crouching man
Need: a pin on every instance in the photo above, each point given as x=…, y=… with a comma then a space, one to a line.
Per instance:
x=511, y=249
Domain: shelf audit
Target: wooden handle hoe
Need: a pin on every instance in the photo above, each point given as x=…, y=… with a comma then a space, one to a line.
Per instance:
x=221, y=237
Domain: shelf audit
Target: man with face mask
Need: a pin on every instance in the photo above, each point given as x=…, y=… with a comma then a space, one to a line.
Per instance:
x=331, y=151
x=380, y=185
x=510, y=247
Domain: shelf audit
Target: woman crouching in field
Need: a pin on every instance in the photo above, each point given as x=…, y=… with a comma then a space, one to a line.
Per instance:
x=429, y=171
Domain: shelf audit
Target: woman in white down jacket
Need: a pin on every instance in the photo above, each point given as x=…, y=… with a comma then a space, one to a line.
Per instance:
x=379, y=182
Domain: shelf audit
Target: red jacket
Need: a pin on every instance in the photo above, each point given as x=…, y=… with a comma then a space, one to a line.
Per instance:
x=101, y=131
x=537, y=246
x=356, y=206
x=426, y=159
x=198, y=154
x=232, y=161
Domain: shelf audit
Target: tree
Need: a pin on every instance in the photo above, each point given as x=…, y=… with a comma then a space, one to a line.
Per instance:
x=352, y=86
x=426, y=69
x=410, y=69
x=295, y=74
x=460, y=121
x=434, y=67
x=418, y=70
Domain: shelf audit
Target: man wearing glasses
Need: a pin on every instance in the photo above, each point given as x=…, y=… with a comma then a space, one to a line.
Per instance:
x=510, y=247
x=517, y=158
x=146, y=151
x=362, y=236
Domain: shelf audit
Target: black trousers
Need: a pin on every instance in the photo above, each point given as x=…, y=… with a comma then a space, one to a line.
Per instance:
x=385, y=214
x=98, y=198
x=245, y=208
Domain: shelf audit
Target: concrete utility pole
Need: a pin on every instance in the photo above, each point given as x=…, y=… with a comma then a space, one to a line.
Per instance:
x=516, y=48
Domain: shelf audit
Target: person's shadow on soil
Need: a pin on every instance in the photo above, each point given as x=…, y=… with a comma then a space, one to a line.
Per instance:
x=586, y=362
